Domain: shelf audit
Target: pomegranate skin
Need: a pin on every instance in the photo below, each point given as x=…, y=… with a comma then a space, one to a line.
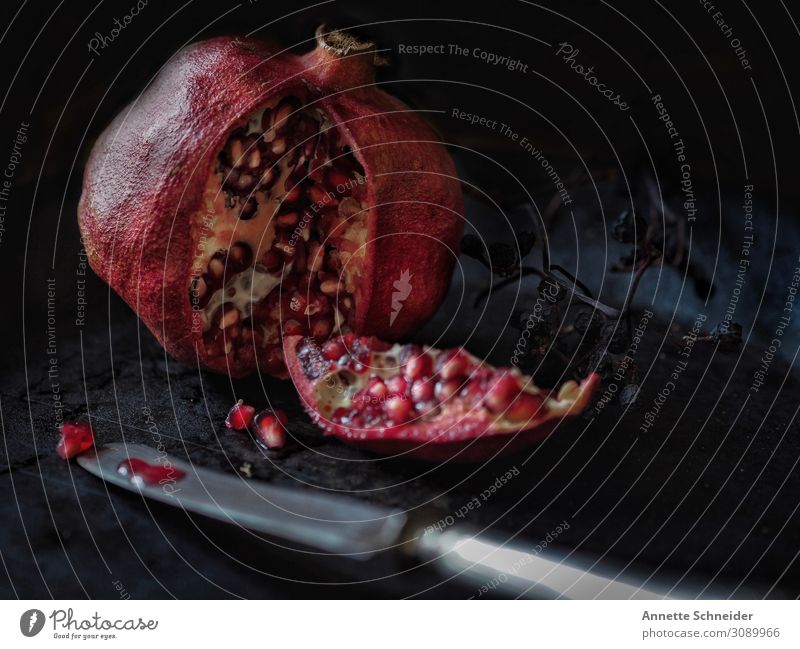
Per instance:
x=145, y=179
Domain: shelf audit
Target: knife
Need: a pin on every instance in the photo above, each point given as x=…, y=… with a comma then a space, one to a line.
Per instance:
x=330, y=524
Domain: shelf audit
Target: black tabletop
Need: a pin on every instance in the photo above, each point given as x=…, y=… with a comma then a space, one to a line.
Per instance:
x=706, y=496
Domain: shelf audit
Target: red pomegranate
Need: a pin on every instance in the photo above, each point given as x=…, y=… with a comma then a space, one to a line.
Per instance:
x=250, y=192
x=423, y=402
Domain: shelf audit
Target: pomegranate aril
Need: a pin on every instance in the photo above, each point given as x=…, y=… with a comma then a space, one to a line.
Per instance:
x=236, y=151
x=334, y=349
x=503, y=388
x=293, y=328
x=419, y=366
x=249, y=209
x=377, y=388
x=453, y=365
x=285, y=248
x=292, y=194
x=271, y=261
x=268, y=177
x=284, y=114
x=245, y=183
x=321, y=197
x=298, y=302
x=318, y=304
x=524, y=407
x=76, y=437
x=446, y=390
x=300, y=258
x=397, y=385
x=270, y=428
x=339, y=182
x=315, y=257
x=198, y=289
x=320, y=327
x=239, y=256
x=329, y=287
x=398, y=409
x=230, y=317
x=422, y=390
x=240, y=417
x=306, y=281
x=216, y=267
x=287, y=220
x=278, y=146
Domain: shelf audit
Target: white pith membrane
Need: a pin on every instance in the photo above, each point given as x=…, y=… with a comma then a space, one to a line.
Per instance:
x=342, y=390
x=282, y=216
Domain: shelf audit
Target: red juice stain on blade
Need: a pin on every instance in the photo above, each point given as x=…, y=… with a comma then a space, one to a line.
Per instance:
x=137, y=470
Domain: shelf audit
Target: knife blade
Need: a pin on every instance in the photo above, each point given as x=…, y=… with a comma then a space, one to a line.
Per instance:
x=334, y=524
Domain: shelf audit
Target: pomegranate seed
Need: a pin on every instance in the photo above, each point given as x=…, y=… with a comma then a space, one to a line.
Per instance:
x=298, y=303
x=230, y=317
x=422, y=390
x=270, y=428
x=340, y=182
x=524, y=408
x=318, y=304
x=321, y=197
x=447, y=389
x=453, y=365
x=271, y=260
x=334, y=349
x=284, y=247
x=288, y=220
x=377, y=388
x=398, y=409
x=502, y=390
x=240, y=256
x=329, y=286
x=240, y=416
x=419, y=366
x=292, y=195
x=300, y=259
x=216, y=268
x=321, y=327
x=293, y=328
x=397, y=385
x=279, y=145
x=315, y=257
x=76, y=437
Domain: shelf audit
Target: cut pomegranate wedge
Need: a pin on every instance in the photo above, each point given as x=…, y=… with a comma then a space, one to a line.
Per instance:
x=423, y=402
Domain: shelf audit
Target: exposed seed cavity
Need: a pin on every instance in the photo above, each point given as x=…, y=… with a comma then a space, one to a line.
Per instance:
x=287, y=169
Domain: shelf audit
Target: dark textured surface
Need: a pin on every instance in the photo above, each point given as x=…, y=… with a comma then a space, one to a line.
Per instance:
x=711, y=490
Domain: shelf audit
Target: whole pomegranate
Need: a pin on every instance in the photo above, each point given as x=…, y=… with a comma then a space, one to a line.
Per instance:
x=249, y=192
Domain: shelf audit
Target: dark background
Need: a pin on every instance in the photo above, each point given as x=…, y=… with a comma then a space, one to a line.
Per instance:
x=713, y=491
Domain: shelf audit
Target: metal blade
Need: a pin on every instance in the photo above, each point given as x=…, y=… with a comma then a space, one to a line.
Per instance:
x=326, y=523
x=515, y=571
